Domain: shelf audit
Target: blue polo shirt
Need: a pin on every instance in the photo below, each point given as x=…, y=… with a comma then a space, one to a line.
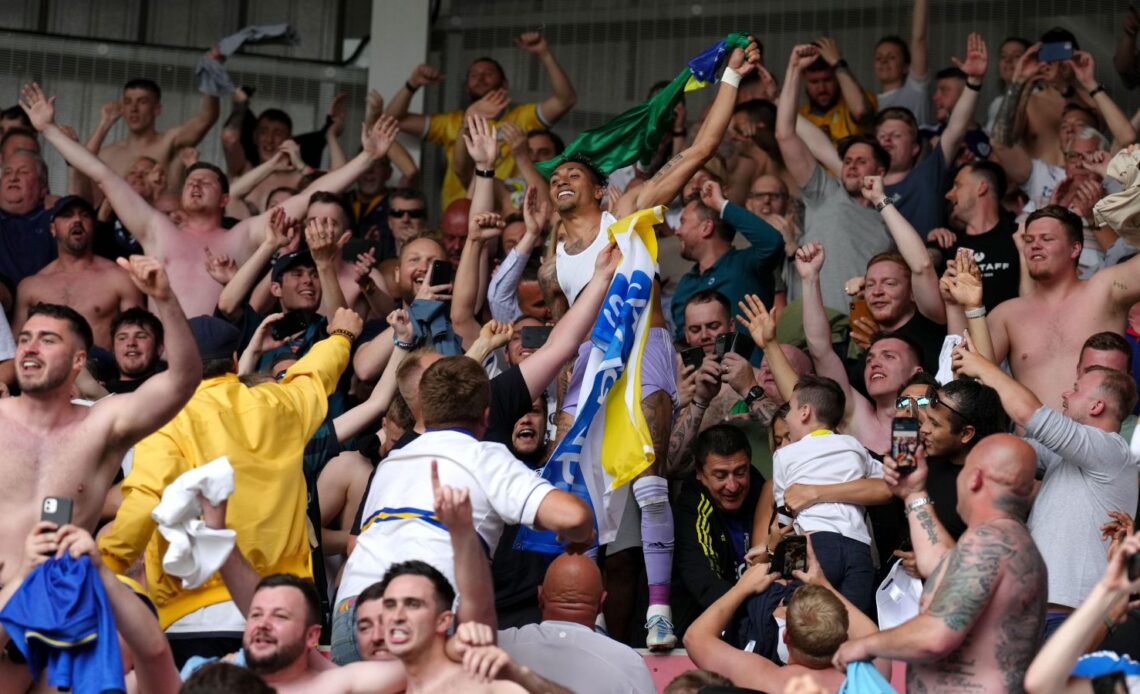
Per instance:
x=739, y=271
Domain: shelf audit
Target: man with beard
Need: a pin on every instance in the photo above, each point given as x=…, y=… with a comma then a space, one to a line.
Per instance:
x=891, y=359
x=1042, y=332
x=137, y=343
x=708, y=226
x=487, y=96
x=836, y=212
x=95, y=287
x=55, y=448
x=953, y=420
x=205, y=194
x=281, y=632
x=714, y=514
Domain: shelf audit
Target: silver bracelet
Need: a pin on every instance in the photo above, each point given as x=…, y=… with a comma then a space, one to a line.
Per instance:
x=917, y=504
x=979, y=312
x=700, y=405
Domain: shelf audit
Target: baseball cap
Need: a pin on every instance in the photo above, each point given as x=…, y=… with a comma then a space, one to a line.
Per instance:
x=68, y=201
x=289, y=261
x=216, y=339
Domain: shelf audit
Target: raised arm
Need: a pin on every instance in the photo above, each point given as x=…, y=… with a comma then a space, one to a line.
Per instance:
x=231, y=302
x=918, y=44
x=472, y=569
x=861, y=109
x=817, y=330
x=1123, y=280
x=553, y=107
x=923, y=278
x=374, y=143
x=665, y=184
x=483, y=225
x=283, y=160
x=761, y=325
x=709, y=652
x=326, y=249
x=517, y=140
x=1084, y=69
x=975, y=68
x=412, y=123
x=142, y=220
x=929, y=538
x=797, y=157
x=135, y=415
x=540, y=368
x=962, y=283
x=1011, y=155
x=194, y=129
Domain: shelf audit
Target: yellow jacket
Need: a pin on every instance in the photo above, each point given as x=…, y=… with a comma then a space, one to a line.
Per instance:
x=263, y=431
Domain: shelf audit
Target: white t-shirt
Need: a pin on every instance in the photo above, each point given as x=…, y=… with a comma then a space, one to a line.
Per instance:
x=575, y=271
x=1042, y=181
x=911, y=95
x=825, y=459
x=578, y=658
x=398, y=523
x=7, y=344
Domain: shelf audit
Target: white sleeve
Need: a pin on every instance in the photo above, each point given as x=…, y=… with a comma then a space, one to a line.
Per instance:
x=514, y=490
x=7, y=344
x=873, y=467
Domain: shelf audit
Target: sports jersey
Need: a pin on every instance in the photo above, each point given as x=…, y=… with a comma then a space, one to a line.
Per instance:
x=398, y=519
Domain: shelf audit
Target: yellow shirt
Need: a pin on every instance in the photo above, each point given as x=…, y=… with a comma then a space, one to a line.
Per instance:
x=263, y=431
x=838, y=122
x=444, y=130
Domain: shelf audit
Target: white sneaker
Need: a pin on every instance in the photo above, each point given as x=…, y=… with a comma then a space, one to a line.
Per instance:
x=660, y=635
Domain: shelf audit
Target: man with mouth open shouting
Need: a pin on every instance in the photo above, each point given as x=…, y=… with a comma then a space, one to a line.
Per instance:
x=576, y=190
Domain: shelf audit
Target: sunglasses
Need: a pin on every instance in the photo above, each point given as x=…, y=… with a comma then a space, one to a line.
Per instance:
x=766, y=196
x=414, y=214
x=924, y=401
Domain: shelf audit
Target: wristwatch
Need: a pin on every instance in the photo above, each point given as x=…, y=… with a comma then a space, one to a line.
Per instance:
x=918, y=503
x=754, y=394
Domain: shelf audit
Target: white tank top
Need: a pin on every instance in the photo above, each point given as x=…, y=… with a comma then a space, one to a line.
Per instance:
x=575, y=271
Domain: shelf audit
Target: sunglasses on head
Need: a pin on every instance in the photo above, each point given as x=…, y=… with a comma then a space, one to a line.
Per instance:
x=414, y=214
x=924, y=401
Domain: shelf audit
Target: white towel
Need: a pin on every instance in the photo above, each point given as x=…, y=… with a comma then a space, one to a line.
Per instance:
x=195, y=552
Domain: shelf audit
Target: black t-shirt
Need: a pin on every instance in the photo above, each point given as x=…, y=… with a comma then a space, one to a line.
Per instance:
x=997, y=258
x=510, y=400
x=924, y=332
x=942, y=487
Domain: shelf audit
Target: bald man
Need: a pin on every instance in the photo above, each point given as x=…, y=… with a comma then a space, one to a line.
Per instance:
x=453, y=229
x=564, y=648
x=983, y=606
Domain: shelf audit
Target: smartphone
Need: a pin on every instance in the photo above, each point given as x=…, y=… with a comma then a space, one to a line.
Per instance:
x=859, y=309
x=791, y=555
x=1055, y=51
x=56, y=509
x=291, y=323
x=534, y=336
x=440, y=273
x=904, y=443
x=740, y=343
x=693, y=356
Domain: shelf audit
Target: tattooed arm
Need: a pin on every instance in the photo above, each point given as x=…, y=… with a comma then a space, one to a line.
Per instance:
x=969, y=578
x=931, y=541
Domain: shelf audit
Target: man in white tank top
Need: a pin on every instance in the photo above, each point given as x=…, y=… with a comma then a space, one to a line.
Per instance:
x=576, y=190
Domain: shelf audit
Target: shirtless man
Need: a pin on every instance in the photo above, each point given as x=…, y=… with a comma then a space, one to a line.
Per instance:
x=983, y=606
x=576, y=191
x=282, y=630
x=891, y=360
x=55, y=448
x=204, y=197
x=141, y=107
x=95, y=287
x=1042, y=332
x=417, y=615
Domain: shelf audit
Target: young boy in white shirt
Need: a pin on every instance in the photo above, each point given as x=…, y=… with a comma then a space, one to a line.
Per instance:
x=818, y=456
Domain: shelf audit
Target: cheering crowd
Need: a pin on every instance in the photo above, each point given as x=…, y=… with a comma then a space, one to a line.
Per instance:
x=266, y=429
